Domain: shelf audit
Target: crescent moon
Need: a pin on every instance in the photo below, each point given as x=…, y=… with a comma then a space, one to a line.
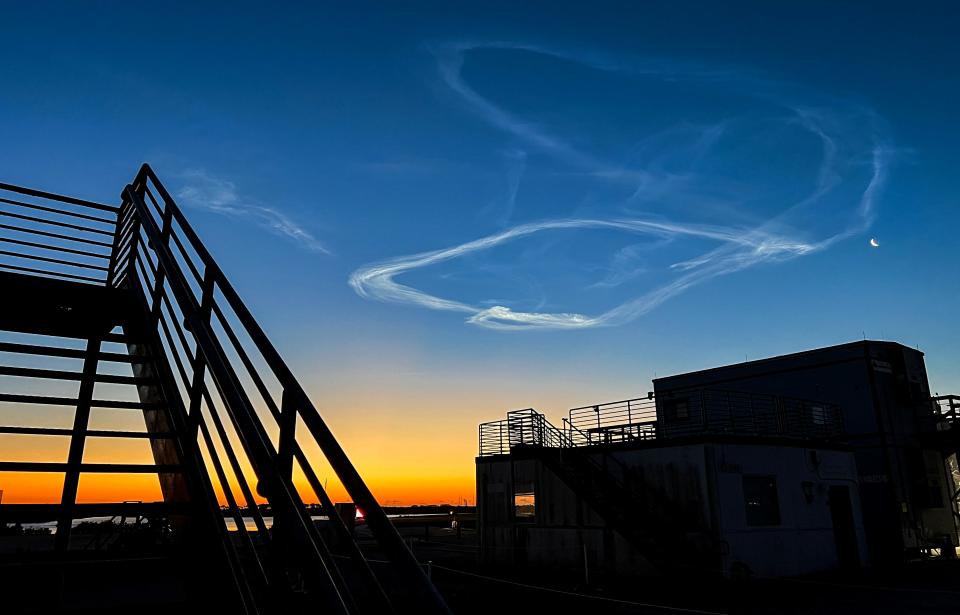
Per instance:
x=874, y=243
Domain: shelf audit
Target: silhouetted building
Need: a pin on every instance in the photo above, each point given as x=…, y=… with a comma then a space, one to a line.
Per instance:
x=750, y=468
x=899, y=435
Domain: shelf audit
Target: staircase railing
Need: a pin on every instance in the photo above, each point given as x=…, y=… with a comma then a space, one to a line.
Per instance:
x=945, y=409
x=253, y=420
x=528, y=428
x=630, y=502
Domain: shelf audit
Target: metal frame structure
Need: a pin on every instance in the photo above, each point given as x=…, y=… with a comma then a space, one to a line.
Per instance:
x=946, y=410
x=223, y=411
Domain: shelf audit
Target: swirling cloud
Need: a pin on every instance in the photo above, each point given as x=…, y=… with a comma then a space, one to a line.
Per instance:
x=739, y=247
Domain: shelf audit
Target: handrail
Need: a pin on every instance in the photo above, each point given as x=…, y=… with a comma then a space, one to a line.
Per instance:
x=139, y=233
x=573, y=428
x=53, y=236
x=57, y=197
x=54, y=210
x=255, y=441
x=613, y=403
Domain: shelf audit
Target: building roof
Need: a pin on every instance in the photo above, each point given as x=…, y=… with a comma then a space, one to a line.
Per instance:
x=806, y=358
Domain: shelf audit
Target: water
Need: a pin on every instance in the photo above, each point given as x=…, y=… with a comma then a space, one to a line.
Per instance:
x=231, y=524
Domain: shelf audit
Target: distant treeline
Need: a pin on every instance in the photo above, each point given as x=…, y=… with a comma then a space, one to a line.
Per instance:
x=417, y=509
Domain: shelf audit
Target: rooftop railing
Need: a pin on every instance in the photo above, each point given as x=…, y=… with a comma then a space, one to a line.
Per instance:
x=679, y=414
x=630, y=419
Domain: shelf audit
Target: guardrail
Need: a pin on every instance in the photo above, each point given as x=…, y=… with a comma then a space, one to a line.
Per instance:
x=629, y=419
x=678, y=414
x=521, y=428
x=946, y=408
x=55, y=236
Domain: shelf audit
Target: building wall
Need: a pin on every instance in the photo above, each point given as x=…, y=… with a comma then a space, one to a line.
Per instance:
x=805, y=539
x=702, y=484
x=563, y=532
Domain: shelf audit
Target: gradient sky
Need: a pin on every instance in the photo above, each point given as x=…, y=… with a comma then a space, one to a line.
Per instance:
x=440, y=212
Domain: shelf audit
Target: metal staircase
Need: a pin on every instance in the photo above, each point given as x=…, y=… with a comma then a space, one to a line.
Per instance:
x=941, y=428
x=98, y=286
x=647, y=519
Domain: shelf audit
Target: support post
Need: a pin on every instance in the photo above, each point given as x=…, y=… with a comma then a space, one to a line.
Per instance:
x=81, y=420
x=285, y=448
x=288, y=427
x=586, y=566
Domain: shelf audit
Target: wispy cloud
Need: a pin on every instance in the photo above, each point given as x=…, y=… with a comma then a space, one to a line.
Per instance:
x=500, y=210
x=627, y=264
x=850, y=138
x=204, y=191
x=377, y=281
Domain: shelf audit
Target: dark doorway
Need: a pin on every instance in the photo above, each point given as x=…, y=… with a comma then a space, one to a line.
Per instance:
x=844, y=532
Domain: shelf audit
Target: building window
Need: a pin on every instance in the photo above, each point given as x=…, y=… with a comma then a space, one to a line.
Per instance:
x=677, y=409
x=525, y=503
x=760, y=498
x=818, y=415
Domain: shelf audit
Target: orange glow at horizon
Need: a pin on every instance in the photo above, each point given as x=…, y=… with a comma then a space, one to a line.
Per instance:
x=397, y=474
x=46, y=488
x=409, y=449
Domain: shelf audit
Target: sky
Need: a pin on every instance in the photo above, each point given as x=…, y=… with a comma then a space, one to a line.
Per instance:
x=440, y=212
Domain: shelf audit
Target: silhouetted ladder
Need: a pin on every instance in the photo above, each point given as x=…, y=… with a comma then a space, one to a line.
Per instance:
x=223, y=412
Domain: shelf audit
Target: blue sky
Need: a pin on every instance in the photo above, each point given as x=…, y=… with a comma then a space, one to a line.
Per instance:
x=440, y=212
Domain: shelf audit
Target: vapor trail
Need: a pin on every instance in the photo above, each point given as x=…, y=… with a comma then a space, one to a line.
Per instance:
x=773, y=240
